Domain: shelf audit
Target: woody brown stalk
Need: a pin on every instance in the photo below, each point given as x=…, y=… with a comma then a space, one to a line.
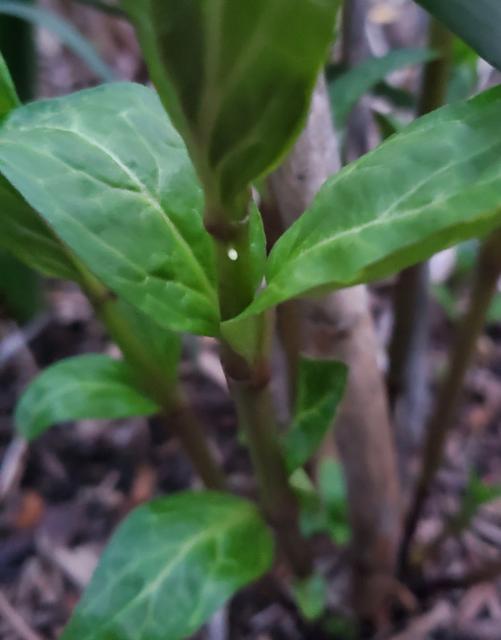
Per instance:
x=340, y=326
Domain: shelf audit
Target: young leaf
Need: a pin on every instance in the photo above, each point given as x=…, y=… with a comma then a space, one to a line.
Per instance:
x=64, y=31
x=112, y=178
x=436, y=183
x=225, y=70
x=8, y=95
x=347, y=89
x=311, y=596
x=320, y=389
x=170, y=566
x=24, y=234
x=90, y=386
x=332, y=489
x=478, y=22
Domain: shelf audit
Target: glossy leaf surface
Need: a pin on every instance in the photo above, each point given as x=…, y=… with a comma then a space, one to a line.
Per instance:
x=436, y=183
x=321, y=386
x=112, y=178
x=236, y=78
x=170, y=566
x=90, y=386
x=478, y=22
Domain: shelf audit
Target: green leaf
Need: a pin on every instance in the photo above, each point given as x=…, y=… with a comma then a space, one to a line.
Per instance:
x=333, y=494
x=236, y=83
x=24, y=234
x=320, y=389
x=90, y=386
x=68, y=35
x=8, y=94
x=311, y=596
x=479, y=492
x=170, y=566
x=387, y=123
x=112, y=178
x=478, y=22
x=347, y=89
x=494, y=314
x=312, y=513
x=323, y=510
x=435, y=184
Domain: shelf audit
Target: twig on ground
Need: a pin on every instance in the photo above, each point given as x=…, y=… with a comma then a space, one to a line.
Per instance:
x=16, y=622
x=12, y=466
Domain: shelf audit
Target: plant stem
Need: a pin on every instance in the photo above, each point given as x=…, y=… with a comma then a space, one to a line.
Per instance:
x=354, y=50
x=185, y=425
x=156, y=382
x=249, y=386
x=407, y=379
x=488, y=272
x=339, y=326
x=256, y=416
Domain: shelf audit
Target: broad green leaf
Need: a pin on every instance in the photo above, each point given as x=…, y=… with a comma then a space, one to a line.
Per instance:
x=347, y=89
x=8, y=95
x=90, y=386
x=435, y=184
x=236, y=77
x=25, y=234
x=68, y=35
x=478, y=22
x=112, y=178
x=170, y=566
x=320, y=388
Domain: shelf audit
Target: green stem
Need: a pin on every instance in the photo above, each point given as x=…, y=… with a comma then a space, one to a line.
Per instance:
x=488, y=272
x=156, y=382
x=249, y=386
x=257, y=418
